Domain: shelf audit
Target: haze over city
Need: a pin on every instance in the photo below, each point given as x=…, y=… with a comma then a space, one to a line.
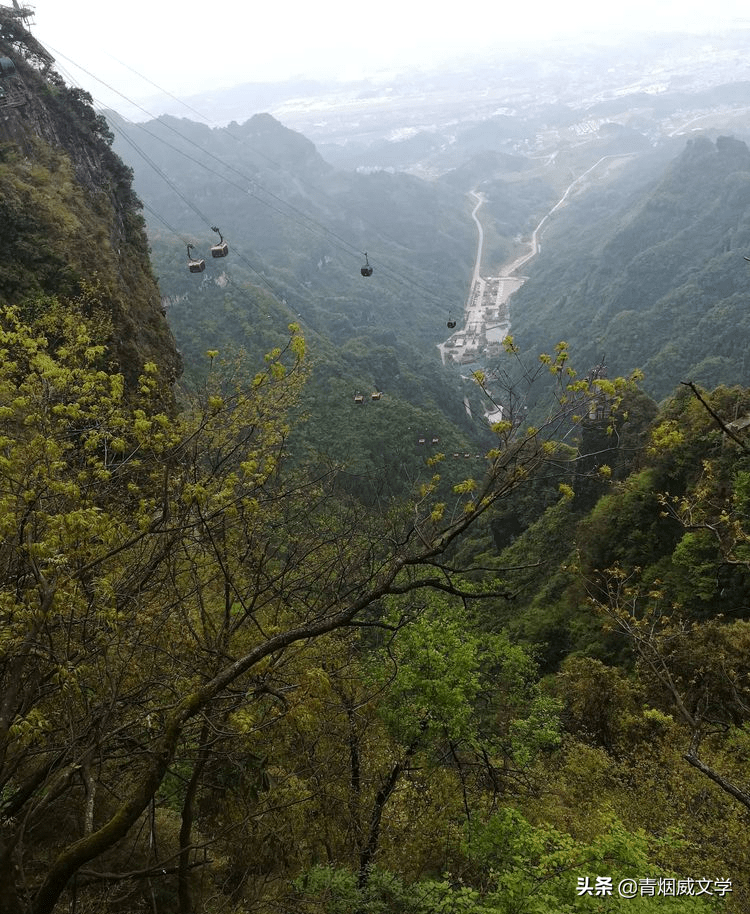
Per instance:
x=185, y=53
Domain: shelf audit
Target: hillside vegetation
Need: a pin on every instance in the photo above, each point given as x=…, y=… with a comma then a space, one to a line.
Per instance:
x=69, y=218
x=654, y=279
x=297, y=230
x=262, y=651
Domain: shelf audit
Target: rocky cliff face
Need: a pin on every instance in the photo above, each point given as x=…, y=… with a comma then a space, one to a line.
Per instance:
x=69, y=218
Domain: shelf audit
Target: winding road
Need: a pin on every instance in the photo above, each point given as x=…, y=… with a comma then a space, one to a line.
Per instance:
x=486, y=314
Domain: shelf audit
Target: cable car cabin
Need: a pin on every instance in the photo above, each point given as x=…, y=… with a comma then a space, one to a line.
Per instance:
x=222, y=248
x=366, y=270
x=435, y=439
x=421, y=440
x=358, y=398
x=195, y=266
x=376, y=395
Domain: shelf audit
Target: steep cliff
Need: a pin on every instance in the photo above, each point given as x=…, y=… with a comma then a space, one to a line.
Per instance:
x=70, y=222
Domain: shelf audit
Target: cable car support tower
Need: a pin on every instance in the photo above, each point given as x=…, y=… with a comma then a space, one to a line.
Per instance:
x=14, y=30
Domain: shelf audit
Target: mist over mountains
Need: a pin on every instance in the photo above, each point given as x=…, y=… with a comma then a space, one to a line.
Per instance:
x=355, y=603
x=387, y=166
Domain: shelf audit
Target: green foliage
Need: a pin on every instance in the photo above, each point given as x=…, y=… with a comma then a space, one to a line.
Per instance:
x=650, y=273
x=170, y=567
x=514, y=868
x=95, y=484
x=445, y=671
x=168, y=577
x=438, y=663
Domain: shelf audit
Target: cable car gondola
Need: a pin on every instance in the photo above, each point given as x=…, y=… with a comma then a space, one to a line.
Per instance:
x=366, y=270
x=376, y=394
x=195, y=266
x=222, y=248
x=359, y=398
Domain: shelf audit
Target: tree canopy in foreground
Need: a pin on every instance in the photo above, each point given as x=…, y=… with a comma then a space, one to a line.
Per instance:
x=162, y=575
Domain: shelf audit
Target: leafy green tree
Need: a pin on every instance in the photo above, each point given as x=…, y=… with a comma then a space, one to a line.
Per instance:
x=158, y=571
x=514, y=867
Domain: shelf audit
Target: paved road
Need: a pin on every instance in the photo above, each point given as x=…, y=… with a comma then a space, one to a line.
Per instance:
x=486, y=309
x=480, y=198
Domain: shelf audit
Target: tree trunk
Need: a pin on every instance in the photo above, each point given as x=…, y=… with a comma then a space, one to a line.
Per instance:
x=10, y=903
x=184, y=895
x=384, y=794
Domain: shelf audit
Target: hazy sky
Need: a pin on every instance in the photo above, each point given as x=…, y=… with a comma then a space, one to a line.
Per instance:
x=187, y=47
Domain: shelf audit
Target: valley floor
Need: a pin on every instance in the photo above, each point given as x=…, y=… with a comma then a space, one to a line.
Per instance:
x=486, y=311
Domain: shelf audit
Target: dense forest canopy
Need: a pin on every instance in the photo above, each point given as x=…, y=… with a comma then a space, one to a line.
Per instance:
x=170, y=582
x=655, y=279
x=260, y=650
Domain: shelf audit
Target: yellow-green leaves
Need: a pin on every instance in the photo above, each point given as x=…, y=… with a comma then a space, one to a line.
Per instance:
x=666, y=436
x=509, y=346
x=501, y=428
x=437, y=512
x=427, y=488
x=556, y=363
x=566, y=491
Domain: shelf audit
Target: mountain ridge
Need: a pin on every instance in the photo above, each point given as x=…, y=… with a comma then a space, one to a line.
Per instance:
x=659, y=282
x=70, y=215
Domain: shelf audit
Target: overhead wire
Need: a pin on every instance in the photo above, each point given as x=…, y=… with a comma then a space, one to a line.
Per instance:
x=237, y=139
x=191, y=205
x=289, y=211
x=158, y=216
x=163, y=175
x=160, y=88
x=312, y=223
x=236, y=251
x=309, y=224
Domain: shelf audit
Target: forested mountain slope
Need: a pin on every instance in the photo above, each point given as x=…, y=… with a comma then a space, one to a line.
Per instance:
x=234, y=679
x=297, y=230
x=69, y=217
x=658, y=282
x=307, y=224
